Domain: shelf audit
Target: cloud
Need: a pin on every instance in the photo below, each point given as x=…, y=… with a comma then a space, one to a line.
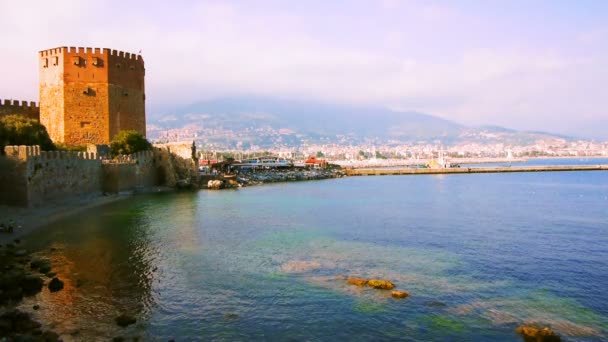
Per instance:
x=447, y=60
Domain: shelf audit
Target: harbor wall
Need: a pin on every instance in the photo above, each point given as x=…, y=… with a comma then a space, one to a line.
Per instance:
x=465, y=170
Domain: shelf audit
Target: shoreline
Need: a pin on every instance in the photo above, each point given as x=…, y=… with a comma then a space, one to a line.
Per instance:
x=26, y=220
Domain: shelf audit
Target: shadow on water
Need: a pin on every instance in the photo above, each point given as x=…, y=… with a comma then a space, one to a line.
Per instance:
x=109, y=259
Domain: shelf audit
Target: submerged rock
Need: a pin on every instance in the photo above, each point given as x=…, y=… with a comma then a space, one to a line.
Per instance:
x=381, y=284
x=55, y=285
x=535, y=333
x=356, y=281
x=31, y=284
x=42, y=265
x=400, y=294
x=125, y=320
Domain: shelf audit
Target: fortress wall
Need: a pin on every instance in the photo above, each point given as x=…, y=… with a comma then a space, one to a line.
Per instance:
x=24, y=108
x=13, y=181
x=129, y=173
x=175, y=164
x=30, y=177
x=60, y=175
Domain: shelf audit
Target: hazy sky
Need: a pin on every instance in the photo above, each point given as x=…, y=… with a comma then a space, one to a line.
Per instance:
x=538, y=65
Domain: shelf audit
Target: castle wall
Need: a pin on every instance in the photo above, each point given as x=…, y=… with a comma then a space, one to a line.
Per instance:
x=24, y=108
x=175, y=164
x=133, y=172
x=30, y=177
x=13, y=179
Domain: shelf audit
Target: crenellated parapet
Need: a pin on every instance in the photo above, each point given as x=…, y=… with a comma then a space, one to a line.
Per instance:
x=21, y=152
x=33, y=153
x=28, y=109
x=143, y=156
x=85, y=54
x=65, y=155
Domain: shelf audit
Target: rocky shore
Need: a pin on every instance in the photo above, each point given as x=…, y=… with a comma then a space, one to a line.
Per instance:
x=249, y=178
x=273, y=176
x=22, y=276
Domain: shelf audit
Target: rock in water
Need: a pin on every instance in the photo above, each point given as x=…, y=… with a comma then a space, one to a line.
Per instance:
x=43, y=265
x=55, y=285
x=381, y=284
x=125, y=320
x=31, y=284
x=400, y=294
x=356, y=281
x=215, y=184
x=534, y=333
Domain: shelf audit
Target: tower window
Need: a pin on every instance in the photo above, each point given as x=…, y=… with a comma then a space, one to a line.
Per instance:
x=76, y=60
x=84, y=124
x=97, y=61
x=45, y=63
x=55, y=60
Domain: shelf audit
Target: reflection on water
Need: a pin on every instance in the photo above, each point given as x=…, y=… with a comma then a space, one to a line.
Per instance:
x=478, y=254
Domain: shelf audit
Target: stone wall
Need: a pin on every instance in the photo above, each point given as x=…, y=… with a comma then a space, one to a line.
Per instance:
x=24, y=108
x=30, y=177
x=33, y=177
x=129, y=173
x=176, y=165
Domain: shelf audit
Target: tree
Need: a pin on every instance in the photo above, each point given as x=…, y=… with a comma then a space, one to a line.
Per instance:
x=128, y=142
x=320, y=154
x=19, y=130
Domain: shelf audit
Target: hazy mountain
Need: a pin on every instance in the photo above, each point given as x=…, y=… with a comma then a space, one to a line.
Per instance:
x=270, y=122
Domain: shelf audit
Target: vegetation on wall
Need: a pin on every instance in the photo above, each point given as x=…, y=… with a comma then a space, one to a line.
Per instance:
x=19, y=130
x=128, y=142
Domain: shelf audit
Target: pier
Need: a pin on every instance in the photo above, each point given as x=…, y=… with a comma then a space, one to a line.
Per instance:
x=460, y=170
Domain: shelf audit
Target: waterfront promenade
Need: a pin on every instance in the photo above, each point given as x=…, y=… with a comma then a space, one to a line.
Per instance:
x=460, y=170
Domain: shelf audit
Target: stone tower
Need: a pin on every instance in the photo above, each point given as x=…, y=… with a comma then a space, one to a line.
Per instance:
x=88, y=95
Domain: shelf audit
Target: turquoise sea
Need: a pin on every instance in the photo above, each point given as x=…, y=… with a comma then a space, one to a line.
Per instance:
x=479, y=254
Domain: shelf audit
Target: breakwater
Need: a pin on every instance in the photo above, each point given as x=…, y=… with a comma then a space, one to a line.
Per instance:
x=461, y=170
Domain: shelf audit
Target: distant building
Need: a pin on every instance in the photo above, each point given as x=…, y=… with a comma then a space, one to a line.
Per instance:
x=88, y=95
x=316, y=163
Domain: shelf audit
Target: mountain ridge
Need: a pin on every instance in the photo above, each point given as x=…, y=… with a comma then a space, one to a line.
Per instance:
x=270, y=122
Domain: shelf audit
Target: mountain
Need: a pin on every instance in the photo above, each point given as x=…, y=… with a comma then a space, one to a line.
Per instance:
x=245, y=122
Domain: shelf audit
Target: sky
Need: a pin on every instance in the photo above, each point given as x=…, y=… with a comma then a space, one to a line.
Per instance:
x=530, y=65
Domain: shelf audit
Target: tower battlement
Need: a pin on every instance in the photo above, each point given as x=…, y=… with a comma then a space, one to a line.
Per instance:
x=90, y=51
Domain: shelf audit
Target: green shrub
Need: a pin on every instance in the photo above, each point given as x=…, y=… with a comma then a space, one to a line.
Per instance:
x=19, y=130
x=75, y=148
x=128, y=142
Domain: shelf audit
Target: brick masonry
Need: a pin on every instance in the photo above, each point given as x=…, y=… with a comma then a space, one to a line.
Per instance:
x=88, y=95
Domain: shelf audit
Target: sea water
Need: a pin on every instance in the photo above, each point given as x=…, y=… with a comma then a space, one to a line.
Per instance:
x=479, y=255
